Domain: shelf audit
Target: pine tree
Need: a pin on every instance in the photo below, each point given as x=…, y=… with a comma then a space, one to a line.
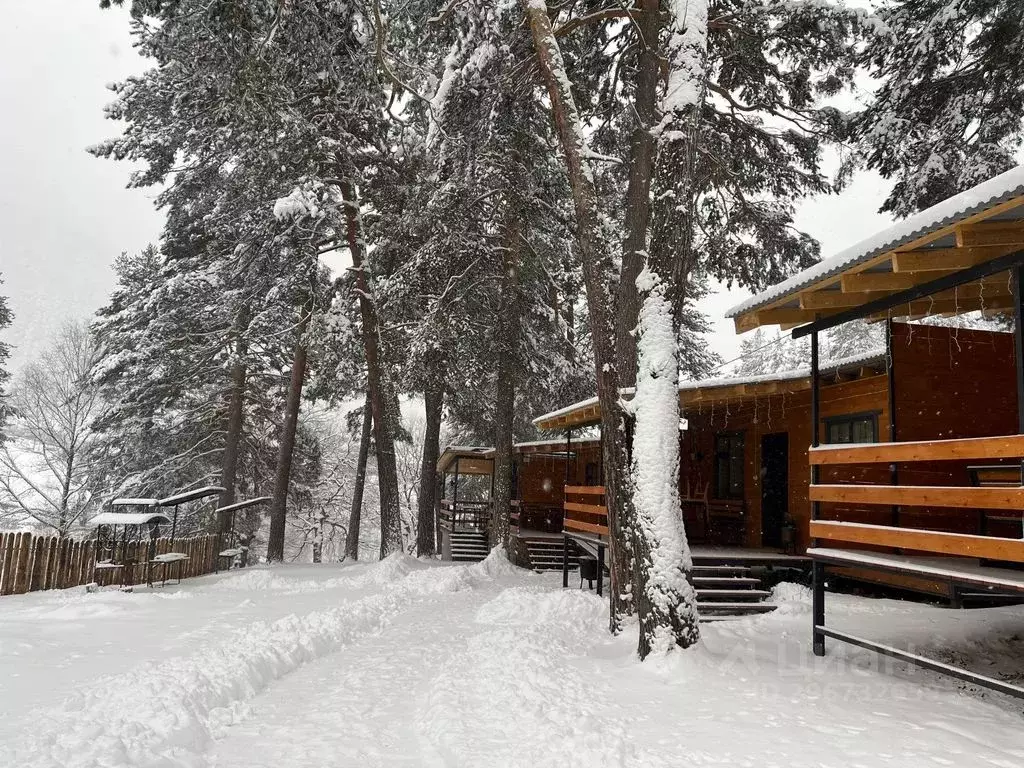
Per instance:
x=949, y=113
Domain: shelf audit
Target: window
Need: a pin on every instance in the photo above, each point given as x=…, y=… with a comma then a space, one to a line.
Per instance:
x=729, y=465
x=856, y=428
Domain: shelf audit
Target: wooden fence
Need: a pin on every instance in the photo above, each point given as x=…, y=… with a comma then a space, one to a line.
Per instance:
x=29, y=563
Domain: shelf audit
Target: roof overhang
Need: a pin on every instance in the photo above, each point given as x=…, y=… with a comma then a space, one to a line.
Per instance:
x=693, y=394
x=193, y=495
x=977, y=227
x=129, y=518
x=243, y=504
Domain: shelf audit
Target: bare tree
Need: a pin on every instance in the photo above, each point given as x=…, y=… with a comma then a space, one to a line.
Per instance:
x=47, y=465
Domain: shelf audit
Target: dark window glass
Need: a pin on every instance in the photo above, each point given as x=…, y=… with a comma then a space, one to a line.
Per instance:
x=729, y=466
x=861, y=428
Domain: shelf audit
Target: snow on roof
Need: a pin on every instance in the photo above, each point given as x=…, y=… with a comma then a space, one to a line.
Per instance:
x=863, y=358
x=1003, y=187
x=243, y=504
x=196, y=493
x=135, y=502
x=129, y=518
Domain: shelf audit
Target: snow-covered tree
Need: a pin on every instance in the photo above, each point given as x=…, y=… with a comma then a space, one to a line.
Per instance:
x=48, y=468
x=6, y=318
x=949, y=111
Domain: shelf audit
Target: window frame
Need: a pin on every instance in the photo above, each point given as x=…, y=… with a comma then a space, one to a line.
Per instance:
x=850, y=419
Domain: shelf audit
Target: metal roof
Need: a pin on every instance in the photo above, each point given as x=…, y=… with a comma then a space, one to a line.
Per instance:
x=129, y=518
x=193, y=495
x=1006, y=187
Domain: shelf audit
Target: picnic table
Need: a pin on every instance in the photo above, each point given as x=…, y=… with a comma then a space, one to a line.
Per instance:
x=163, y=562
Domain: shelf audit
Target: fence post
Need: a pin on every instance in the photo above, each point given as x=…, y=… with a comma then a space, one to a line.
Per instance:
x=37, y=569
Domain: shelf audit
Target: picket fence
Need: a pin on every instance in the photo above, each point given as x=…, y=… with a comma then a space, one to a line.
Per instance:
x=29, y=563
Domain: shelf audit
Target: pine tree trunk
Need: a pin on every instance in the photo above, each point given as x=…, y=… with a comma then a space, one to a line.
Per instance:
x=666, y=602
x=598, y=273
x=642, y=152
x=507, y=336
x=235, y=422
x=282, y=477
x=433, y=396
x=384, y=417
x=355, y=517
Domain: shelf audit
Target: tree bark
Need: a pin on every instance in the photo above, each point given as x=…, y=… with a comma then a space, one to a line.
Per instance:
x=235, y=422
x=598, y=274
x=384, y=424
x=642, y=154
x=507, y=337
x=355, y=516
x=433, y=396
x=286, y=451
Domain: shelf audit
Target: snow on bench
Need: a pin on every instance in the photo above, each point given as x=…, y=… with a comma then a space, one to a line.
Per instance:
x=170, y=557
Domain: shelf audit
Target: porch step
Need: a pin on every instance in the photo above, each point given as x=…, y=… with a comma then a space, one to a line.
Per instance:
x=724, y=581
x=546, y=554
x=716, y=595
x=469, y=547
x=735, y=609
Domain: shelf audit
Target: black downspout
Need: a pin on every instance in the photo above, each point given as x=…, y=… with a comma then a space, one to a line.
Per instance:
x=818, y=569
x=1018, y=348
x=890, y=369
x=565, y=537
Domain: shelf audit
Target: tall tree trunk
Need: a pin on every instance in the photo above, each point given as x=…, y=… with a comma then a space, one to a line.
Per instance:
x=235, y=422
x=384, y=417
x=433, y=396
x=642, y=152
x=282, y=477
x=507, y=336
x=356, y=515
x=666, y=602
x=598, y=273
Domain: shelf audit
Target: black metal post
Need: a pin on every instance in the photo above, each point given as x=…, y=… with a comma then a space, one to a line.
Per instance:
x=1018, y=348
x=455, y=497
x=568, y=454
x=890, y=370
x=565, y=561
x=818, y=569
x=174, y=525
x=600, y=570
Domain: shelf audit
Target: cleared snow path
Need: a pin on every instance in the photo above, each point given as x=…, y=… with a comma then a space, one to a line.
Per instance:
x=406, y=664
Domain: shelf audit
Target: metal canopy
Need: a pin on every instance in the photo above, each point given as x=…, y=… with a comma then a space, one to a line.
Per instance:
x=243, y=504
x=130, y=518
x=135, y=503
x=193, y=495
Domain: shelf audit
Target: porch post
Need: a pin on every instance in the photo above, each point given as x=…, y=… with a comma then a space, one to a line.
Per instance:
x=568, y=455
x=565, y=538
x=890, y=370
x=1018, y=348
x=818, y=569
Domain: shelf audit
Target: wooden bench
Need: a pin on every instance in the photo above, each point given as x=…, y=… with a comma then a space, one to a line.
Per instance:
x=725, y=520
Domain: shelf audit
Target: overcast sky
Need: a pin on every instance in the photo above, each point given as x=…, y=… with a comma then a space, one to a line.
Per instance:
x=65, y=215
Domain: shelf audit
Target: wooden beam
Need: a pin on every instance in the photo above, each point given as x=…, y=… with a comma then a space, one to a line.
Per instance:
x=990, y=233
x=889, y=282
x=972, y=448
x=926, y=307
x=938, y=542
x=921, y=496
x=589, y=509
x=945, y=259
x=578, y=525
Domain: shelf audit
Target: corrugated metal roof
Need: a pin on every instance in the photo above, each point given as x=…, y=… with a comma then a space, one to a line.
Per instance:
x=1003, y=187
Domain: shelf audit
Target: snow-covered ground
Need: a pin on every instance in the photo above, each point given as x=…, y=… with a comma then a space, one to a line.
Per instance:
x=404, y=663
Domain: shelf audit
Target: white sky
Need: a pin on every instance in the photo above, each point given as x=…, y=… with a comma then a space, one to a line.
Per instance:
x=65, y=215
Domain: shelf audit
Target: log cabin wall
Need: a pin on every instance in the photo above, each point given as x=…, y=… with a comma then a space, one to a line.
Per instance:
x=781, y=413
x=542, y=476
x=951, y=383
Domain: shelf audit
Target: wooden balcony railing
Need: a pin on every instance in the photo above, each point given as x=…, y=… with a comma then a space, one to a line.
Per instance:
x=1008, y=497
x=465, y=516
x=586, y=511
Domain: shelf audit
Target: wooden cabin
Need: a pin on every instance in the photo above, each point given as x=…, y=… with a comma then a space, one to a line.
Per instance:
x=939, y=500
x=540, y=472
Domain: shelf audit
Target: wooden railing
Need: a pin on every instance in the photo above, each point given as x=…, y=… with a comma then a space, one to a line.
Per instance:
x=987, y=497
x=465, y=516
x=587, y=511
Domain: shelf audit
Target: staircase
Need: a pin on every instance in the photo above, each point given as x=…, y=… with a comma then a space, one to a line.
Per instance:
x=469, y=546
x=545, y=553
x=728, y=592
